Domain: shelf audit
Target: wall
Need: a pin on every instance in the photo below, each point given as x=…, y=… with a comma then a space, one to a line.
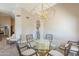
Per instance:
x=5, y=21
x=25, y=26
x=63, y=26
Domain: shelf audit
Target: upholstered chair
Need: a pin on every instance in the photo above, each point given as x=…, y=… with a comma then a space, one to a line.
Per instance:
x=30, y=41
x=71, y=48
x=23, y=50
x=50, y=38
x=55, y=53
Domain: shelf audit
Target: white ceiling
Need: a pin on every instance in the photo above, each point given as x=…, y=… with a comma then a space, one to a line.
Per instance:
x=35, y=6
x=6, y=8
x=9, y=8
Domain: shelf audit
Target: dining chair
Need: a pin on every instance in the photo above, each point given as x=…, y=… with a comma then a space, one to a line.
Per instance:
x=50, y=38
x=23, y=50
x=29, y=37
x=71, y=48
x=11, y=40
x=30, y=42
x=51, y=51
x=55, y=53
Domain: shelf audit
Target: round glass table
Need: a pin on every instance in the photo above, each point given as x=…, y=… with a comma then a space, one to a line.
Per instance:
x=42, y=47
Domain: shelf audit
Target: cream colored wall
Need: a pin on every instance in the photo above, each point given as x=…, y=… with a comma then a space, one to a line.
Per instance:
x=63, y=26
x=25, y=26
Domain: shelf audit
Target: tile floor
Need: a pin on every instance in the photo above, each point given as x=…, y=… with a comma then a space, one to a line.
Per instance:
x=9, y=50
x=6, y=49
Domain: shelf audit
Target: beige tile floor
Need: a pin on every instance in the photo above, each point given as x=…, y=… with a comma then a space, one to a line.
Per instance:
x=6, y=49
x=10, y=50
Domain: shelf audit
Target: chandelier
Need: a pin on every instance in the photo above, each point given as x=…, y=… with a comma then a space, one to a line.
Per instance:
x=45, y=13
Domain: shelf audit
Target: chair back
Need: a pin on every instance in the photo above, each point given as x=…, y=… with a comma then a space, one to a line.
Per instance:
x=68, y=47
x=29, y=37
x=21, y=47
x=49, y=36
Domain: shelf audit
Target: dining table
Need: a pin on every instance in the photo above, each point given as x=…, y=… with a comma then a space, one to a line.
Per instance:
x=42, y=47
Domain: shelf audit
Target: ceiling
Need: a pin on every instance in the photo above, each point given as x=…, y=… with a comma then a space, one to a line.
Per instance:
x=9, y=8
x=35, y=6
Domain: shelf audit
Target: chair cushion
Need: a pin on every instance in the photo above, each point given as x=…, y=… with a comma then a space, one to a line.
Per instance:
x=22, y=44
x=55, y=53
x=74, y=48
x=28, y=52
x=12, y=38
x=33, y=44
x=66, y=45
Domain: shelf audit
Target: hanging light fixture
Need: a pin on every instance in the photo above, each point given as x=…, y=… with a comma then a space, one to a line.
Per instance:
x=43, y=10
x=43, y=14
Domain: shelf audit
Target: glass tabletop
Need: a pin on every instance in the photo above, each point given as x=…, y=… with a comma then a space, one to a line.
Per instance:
x=42, y=44
x=42, y=47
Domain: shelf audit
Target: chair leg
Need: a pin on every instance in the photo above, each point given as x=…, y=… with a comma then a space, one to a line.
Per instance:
x=48, y=54
x=78, y=53
x=36, y=54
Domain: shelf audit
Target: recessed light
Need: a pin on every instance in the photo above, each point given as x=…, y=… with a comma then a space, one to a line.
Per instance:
x=27, y=17
x=18, y=15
